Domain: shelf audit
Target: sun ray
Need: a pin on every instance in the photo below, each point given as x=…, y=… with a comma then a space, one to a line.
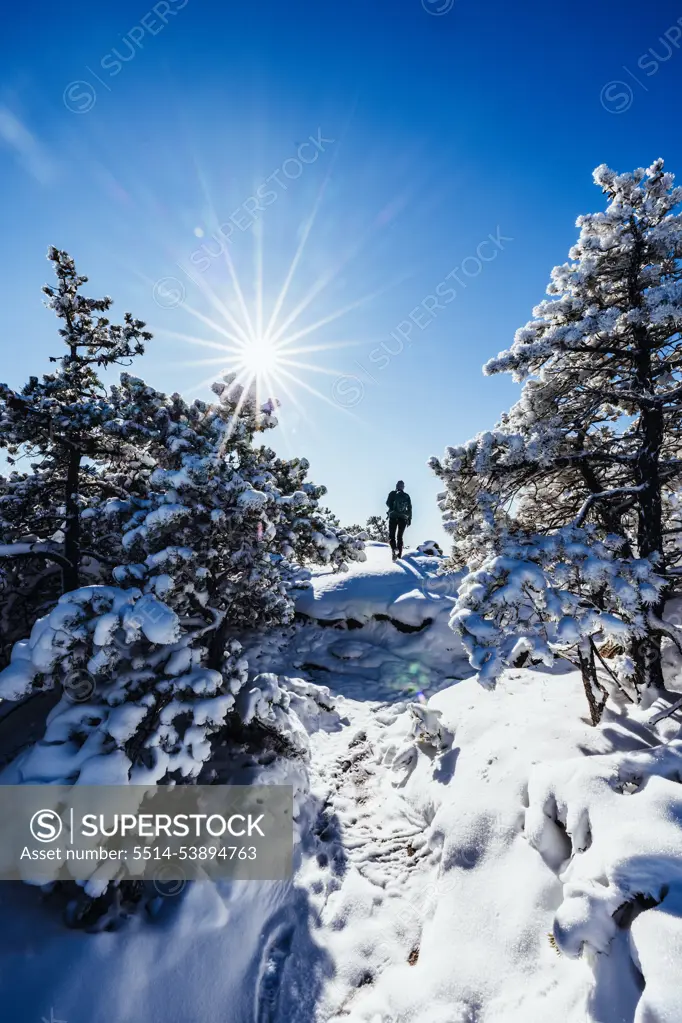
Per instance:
x=310, y=366
x=215, y=326
x=258, y=273
x=205, y=362
x=322, y=283
x=331, y=346
x=248, y=334
x=331, y=317
x=316, y=289
x=279, y=302
x=299, y=251
x=191, y=339
x=292, y=395
x=303, y=305
x=218, y=304
x=318, y=394
x=239, y=293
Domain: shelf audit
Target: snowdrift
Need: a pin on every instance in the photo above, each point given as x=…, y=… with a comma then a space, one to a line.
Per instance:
x=409, y=591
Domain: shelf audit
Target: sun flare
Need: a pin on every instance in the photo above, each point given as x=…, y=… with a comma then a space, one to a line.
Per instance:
x=258, y=358
x=271, y=351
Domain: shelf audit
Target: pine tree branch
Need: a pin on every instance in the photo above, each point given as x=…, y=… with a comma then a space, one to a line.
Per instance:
x=99, y=557
x=593, y=498
x=33, y=550
x=666, y=713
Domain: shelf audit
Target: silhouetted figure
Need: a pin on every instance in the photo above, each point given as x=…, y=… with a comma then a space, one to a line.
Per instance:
x=399, y=517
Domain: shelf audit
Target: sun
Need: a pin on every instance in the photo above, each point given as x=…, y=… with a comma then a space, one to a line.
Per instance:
x=259, y=357
x=270, y=353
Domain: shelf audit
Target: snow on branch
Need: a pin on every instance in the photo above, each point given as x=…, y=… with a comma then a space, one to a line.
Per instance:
x=32, y=550
x=593, y=498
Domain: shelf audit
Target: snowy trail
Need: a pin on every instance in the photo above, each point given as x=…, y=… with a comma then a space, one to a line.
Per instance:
x=368, y=872
x=424, y=899
x=370, y=865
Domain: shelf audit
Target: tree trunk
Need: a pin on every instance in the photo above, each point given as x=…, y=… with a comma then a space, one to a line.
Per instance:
x=647, y=651
x=71, y=573
x=605, y=513
x=217, y=644
x=592, y=686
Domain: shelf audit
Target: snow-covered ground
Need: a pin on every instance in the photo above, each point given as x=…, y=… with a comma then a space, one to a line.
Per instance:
x=462, y=852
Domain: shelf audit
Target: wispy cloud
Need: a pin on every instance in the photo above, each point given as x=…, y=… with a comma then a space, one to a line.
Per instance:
x=25, y=147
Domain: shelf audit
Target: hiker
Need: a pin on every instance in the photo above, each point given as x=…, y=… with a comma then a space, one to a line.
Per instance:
x=399, y=516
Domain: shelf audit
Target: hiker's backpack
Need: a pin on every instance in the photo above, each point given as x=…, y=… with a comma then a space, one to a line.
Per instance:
x=401, y=505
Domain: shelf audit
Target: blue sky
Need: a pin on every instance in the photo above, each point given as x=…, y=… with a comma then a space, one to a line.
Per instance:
x=409, y=146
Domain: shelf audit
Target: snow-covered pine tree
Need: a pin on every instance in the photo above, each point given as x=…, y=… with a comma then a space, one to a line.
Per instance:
x=199, y=526
x=139, y=707
x=559, y=595
x=308, y=532
x=250, y=520
x=207, y=551
x=596, y=434
x=355, y=529
x=29, y=585
x=203, y=541
x=377, y=528
x=63, y=423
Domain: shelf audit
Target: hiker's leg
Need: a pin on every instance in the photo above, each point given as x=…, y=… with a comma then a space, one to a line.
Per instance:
x=392, y=523
x=401, y=530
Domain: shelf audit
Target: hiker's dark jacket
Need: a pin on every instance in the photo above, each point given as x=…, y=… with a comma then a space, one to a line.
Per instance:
x=399, y=505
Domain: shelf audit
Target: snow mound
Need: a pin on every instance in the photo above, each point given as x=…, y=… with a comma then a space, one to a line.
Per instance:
x=292, y=706
x=410, y=591
x=431, y=547
x=611, y=827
